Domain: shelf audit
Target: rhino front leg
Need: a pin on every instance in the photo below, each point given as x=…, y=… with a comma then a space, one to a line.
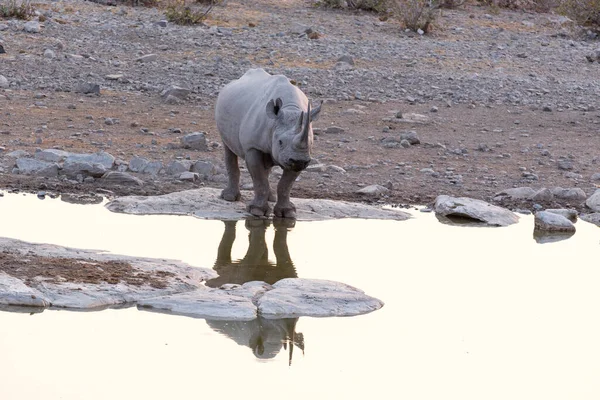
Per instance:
x=232, y=191
x=284, y=207
x=259, y=206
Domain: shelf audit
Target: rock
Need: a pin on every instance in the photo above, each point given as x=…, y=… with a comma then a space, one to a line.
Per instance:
x=4, y=84
x=595, y=177
x=411, y=137
x=551, y=222
x=49, y=54
x=189, y=176
x=176, y=92
x=413, y=118
x=31, y=166
x=373, y=190
x=593, y=202
x=18, y=154
x=473, y=209
x=571, y=215
x=121, y=178
x=405, y=143
x=101, y=157
x=195, y=141
x=170, y=277
x=73, y=169
x=52, y=155
x=520, y=193
x=205, y=203
x=294, y=297
x=594, y=55
x=543, y=195
x=13, y=292
x=206, y=303
x=88, y=88
x=32, y=27
x=177, y=167
x=334, y=130
x=153, y=168
x=147, y=58
x=346, y=59
x=565, y=165
x=204, y=168
x=576, y=195
x=138, y=164
x=593, y=218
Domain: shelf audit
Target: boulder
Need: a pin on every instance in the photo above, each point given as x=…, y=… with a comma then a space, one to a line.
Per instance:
x=206, y=169
x=576, y=195
x=121, y=178
x=52, y=155
x=31, y=166
x=138, y=164
x=102, y=158
x=473, y=209
x=593, y=202
x=177, y=167
x=72, y=168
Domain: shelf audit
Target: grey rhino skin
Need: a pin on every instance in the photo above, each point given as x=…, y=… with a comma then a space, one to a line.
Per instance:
x=266, y=121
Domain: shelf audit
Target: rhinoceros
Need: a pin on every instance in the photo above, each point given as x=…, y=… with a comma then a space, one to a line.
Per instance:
x=266, y=121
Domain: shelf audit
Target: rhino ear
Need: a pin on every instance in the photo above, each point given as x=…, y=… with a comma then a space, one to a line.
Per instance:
x=314, y=113
x=274, y=108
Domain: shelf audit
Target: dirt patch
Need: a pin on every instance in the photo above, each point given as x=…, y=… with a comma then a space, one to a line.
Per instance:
x=32, y=268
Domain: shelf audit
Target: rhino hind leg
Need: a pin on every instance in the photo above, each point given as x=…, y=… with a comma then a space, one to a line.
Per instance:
x=284, y=207
x=232, y=191
x=255, y=160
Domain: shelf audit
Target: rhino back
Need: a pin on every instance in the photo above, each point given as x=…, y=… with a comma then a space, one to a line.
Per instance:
x=240, y=111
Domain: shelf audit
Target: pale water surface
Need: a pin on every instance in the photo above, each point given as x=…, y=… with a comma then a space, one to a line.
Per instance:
x=470, y=313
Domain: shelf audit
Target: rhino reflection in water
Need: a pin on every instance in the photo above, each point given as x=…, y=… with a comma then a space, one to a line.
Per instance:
x=266, y=337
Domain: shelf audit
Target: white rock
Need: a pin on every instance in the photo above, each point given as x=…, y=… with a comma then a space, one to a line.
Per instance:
x=205, y=203
x=13, y=292
x=4, y=84
x=32, y=27
x=477, y=210
x=293, y=297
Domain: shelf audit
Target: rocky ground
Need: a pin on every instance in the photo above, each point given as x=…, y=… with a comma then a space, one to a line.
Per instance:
x=487, y=102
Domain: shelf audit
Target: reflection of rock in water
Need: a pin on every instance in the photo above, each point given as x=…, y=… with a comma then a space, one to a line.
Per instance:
x=255, y=266
x=265, y=337
x=551, y=237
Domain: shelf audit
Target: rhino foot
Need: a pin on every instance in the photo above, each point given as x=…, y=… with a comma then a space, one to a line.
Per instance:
x=258, y=210
x=286, y=211
x=231, y=195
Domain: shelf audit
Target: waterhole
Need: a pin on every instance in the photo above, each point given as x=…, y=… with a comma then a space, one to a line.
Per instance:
x=470, y=312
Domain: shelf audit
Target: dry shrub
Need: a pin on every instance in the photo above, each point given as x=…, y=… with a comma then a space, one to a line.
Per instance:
x=179, y=12
x=367, y=5
x=531, y=5
x=584, y=12
x=415, y=14
x=16, y=9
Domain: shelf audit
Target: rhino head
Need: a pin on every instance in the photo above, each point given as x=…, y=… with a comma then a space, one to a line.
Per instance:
x=292, y=135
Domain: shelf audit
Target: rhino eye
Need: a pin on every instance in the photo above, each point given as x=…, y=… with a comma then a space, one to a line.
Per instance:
x=280, y=142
